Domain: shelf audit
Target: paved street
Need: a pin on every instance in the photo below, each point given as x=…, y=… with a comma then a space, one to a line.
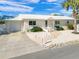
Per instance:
x=69, y=52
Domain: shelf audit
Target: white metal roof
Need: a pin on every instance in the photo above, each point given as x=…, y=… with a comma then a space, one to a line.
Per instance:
x=62, y=18
x=31, y=16
x=41, y=17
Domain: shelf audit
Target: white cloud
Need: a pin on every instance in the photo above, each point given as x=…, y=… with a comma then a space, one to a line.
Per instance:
x=50, y=9
x=57, y=4
x=63, y=11
x=2, y=0
x=12, y=9
x=32, y=1
x=55, y=13
x=14, y=6
x=51, y=0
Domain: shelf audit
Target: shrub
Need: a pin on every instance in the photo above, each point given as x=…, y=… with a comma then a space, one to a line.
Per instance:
x=36, y=29
x=28, y=30
x=2, y=22
x=70, y=26
x=59, y=28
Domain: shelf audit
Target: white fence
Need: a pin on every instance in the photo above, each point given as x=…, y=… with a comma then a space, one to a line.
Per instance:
x=41, y=38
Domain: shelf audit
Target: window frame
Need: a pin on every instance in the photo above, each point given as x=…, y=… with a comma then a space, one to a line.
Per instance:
x=32, y=23
x=57, y=22
x=77, y=21
x=67, y=21
x=46, y=23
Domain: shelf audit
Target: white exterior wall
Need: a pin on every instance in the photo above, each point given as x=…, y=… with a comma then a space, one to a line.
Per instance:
x=51, y=23
x=64, y=23
x=40, y=23
x=12, y=26
x=25, y=25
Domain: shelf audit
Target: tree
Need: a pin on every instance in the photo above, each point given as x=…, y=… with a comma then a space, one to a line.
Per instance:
x=57, y=14
x=74, y=4
x=3, y=17
x=54, y=14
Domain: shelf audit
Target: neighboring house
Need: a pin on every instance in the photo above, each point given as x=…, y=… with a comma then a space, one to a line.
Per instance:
x=27, y=21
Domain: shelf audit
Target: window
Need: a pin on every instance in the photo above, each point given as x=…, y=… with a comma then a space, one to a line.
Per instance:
x=57, y=22
x=46, y=23
x=67, y=22
x=32, y=22
x=77, y=21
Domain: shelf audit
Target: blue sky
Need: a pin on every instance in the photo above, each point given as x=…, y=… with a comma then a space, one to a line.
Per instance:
x=15, y=7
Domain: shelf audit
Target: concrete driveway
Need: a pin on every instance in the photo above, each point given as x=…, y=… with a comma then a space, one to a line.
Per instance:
x=68, y=52
x=17, y=44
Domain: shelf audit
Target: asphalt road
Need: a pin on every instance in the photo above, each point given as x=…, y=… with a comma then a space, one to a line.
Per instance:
x=69, y=52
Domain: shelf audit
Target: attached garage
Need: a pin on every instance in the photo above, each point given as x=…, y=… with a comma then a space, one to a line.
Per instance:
x=13, y=26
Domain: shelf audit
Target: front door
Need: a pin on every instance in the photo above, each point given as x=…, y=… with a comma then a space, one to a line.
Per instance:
x=46, y=23
x=57, y=23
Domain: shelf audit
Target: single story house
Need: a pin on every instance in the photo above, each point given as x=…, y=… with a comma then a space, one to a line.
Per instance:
x=27, y=21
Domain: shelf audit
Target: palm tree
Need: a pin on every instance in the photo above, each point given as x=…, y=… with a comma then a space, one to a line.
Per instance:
x=74, y=4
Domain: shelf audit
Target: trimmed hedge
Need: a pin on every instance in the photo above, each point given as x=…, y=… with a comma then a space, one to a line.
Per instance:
x=36, y=29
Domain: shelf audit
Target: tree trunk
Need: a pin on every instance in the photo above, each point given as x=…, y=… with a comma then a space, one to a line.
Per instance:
x=75, y=21
x=75, y=25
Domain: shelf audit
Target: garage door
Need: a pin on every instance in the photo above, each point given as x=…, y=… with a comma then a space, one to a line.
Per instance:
x=14, y=26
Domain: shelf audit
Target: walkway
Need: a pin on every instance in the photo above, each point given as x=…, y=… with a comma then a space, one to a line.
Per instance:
x=62, y=38
x=66, y=36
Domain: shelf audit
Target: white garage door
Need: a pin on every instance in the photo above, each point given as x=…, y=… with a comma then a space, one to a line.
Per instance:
x=14, y=26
